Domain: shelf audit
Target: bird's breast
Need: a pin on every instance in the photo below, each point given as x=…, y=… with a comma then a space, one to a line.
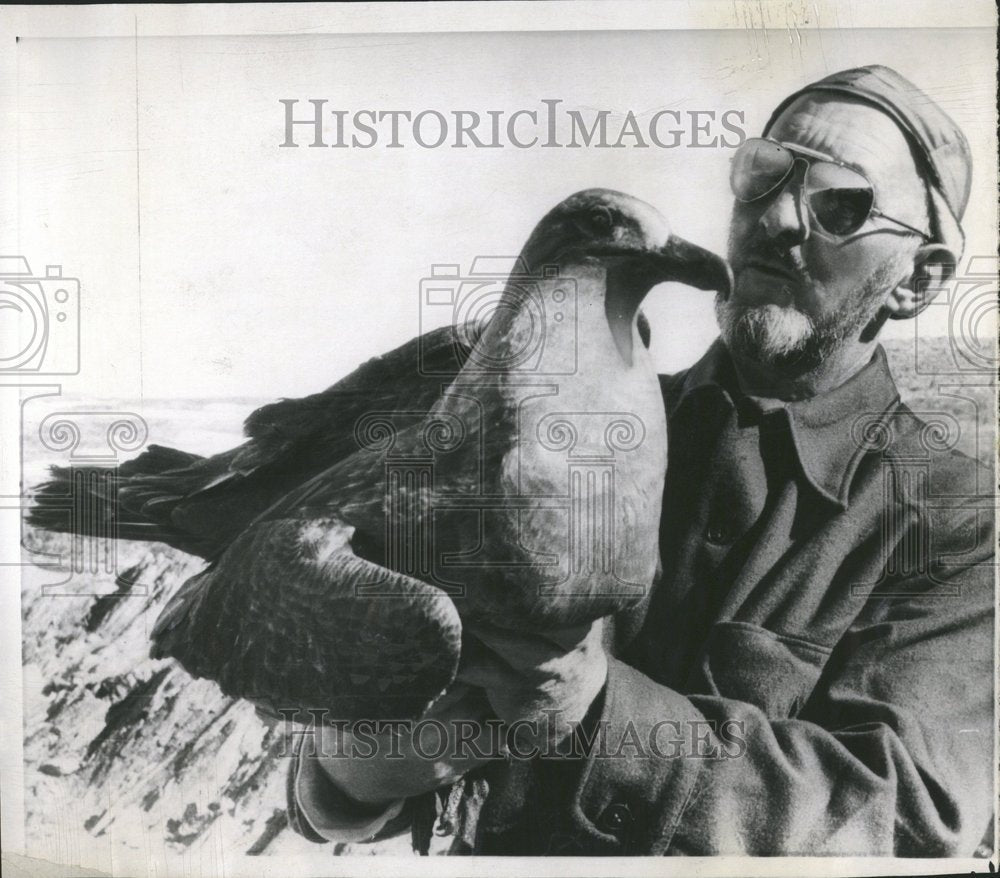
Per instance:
x=553, y=512
x=570, y=519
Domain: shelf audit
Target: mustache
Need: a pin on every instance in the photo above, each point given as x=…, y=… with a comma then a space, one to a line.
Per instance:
x=758, y=253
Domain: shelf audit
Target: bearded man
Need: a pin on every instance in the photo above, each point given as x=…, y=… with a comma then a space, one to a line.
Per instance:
x=813, y=671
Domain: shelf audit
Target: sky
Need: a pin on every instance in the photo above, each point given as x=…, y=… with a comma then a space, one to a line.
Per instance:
x=214, y=263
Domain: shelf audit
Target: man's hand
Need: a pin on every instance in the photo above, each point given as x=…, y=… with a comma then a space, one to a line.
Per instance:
x=540, y=685
x=407, y=759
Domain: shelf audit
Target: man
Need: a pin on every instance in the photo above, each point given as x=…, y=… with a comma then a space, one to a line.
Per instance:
x=812, y=674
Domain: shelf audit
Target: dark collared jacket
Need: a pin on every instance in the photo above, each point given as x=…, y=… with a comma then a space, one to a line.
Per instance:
x=813, y=672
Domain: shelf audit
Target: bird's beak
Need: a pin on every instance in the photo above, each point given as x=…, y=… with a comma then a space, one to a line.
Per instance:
x=690, y=264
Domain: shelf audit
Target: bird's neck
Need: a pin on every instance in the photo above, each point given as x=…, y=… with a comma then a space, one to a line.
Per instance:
x=625, y=288
x=580, y=315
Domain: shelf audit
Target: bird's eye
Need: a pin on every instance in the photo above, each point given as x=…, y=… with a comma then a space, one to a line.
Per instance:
x=601, y=219
x=597, y=220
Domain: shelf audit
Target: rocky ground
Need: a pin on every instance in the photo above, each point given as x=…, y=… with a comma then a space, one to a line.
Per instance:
x=126, y=756
x=132, y=751
x=130, y=755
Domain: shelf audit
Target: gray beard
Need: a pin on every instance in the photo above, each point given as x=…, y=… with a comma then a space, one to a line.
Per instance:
x=784, y=338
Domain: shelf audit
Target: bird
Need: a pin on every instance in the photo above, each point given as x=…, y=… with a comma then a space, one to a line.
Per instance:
x=506, y=473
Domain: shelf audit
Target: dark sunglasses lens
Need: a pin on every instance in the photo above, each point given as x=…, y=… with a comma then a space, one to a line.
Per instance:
x=758, y=167
x=840, y=199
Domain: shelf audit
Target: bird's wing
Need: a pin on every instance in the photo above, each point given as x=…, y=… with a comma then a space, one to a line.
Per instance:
x=199, y=504
x=295, y=439
x=408, y=378
x=291, y=619
x=131, y=502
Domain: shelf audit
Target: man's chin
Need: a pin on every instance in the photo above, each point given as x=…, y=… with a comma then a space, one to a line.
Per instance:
x=780, y=338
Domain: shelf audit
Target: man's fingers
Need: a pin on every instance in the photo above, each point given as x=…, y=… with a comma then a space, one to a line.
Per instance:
x=465, y=700
x=481, y=666
x=453, y=696
x=520, y=651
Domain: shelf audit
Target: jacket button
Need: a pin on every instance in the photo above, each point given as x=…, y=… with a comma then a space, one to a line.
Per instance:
x=616, y=818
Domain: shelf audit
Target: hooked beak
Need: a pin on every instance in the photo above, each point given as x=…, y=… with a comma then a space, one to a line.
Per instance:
x=690, y=264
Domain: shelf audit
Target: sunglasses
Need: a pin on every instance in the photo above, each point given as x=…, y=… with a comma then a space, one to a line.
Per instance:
x=840, y=198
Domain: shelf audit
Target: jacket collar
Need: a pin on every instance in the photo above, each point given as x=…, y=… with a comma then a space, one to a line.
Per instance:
x=824, y=429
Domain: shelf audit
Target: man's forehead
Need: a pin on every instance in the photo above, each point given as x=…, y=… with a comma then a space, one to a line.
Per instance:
x=852, y=131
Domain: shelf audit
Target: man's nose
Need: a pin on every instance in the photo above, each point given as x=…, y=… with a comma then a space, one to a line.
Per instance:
x=785, y=218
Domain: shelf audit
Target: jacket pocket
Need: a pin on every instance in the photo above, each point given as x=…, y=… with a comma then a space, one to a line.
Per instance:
x=748, y=663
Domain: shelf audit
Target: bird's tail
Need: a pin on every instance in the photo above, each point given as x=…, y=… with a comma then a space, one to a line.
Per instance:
x=132, y=501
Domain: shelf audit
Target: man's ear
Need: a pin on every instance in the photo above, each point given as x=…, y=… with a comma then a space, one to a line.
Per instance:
x=933, y=266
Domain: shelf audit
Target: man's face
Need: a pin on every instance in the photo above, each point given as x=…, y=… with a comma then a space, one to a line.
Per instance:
x=799, y=292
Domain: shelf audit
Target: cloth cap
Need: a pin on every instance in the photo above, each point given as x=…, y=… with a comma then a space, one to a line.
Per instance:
x=941, y=150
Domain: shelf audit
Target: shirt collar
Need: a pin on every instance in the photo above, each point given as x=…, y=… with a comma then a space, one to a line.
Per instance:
x=824, y=429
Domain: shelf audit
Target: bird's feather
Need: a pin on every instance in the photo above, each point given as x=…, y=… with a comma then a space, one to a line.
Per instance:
x=200, y=504
x=291, y=619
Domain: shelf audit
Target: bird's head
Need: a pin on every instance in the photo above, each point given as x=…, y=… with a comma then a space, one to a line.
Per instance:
x=626, y=234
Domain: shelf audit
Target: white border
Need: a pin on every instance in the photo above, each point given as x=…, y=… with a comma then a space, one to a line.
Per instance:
x=48, y=22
